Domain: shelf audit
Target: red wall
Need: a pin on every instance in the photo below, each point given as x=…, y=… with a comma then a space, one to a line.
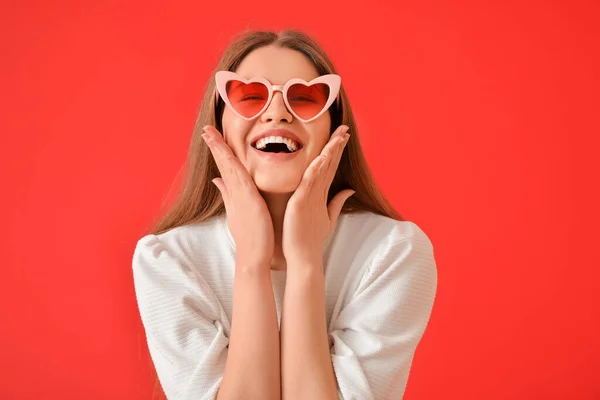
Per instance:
x=479, y=119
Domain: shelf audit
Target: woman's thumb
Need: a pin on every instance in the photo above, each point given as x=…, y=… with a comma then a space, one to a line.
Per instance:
x=218, y=182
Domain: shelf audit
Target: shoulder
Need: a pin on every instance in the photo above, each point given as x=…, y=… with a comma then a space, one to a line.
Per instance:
x=396, y=248
x=382, y=232
x=177, y=266
x=185, y=245
x=182, y=236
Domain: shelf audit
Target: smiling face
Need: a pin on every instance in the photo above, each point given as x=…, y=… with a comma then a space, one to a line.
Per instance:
x=276, y=174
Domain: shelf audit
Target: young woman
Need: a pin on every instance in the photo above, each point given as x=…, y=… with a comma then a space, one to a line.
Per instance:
x=281, y=271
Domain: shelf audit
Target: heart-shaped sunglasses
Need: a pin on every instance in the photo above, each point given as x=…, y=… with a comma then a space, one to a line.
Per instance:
x=248, y=98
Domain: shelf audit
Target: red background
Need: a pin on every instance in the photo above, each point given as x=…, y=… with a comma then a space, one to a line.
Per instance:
x=479, y=120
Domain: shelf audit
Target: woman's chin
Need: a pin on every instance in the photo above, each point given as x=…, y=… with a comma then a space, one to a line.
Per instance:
x=276, y=184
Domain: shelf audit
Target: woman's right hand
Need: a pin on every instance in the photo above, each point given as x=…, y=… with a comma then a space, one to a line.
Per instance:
x=248, y=217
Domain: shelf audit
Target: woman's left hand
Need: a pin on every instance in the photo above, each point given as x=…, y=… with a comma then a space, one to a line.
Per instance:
x=308, y=219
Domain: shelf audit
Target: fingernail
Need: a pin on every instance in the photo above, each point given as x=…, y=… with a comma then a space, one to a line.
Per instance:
x=345, y=129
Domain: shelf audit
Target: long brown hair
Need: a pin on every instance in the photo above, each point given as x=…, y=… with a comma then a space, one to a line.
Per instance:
x=199, y=199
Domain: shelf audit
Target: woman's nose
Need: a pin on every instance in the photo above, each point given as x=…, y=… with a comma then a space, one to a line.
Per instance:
x=277, y=109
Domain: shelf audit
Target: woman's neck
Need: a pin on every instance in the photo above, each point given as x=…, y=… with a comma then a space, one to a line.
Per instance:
x=277, y=203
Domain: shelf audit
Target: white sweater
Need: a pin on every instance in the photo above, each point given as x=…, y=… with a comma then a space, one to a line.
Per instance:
x=380, y=284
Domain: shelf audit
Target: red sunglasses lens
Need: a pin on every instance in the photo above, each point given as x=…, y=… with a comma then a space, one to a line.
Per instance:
x=247, y=98
x=308, y=101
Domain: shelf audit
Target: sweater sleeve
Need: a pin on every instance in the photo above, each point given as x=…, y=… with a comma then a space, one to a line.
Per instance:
x=376, y=334
x=180, y=315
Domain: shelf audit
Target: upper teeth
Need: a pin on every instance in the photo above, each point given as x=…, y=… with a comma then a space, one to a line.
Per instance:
x=262, y=143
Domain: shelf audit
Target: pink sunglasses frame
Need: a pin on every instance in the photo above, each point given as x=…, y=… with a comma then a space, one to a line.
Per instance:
x=332, y=80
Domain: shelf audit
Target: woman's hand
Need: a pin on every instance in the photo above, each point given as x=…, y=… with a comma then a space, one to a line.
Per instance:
x=248, y=217
x=308, y=219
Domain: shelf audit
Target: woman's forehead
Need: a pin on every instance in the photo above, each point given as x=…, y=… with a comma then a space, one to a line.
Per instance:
x=277, y=65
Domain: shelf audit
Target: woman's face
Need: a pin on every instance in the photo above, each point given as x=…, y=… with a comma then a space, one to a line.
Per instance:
x=277, y=65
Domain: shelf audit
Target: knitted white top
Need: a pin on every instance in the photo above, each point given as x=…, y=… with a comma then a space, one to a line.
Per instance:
x=380, y=283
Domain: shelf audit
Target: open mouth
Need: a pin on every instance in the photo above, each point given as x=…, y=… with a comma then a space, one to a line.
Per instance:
x=278, y=147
